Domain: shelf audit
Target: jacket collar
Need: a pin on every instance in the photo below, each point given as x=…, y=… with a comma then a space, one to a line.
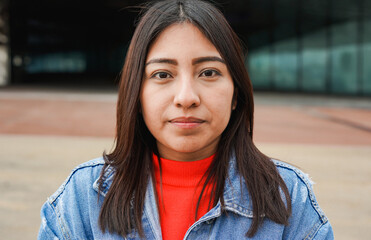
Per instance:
x=236, y=196
x=107, y=181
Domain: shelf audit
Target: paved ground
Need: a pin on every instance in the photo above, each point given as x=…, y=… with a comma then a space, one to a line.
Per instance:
x=45, y=133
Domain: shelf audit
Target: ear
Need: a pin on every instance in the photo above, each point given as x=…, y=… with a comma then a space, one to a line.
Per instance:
x=234, y=99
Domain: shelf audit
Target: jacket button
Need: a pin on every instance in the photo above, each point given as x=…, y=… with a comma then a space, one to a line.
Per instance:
x=196, y=228
x=210, y=221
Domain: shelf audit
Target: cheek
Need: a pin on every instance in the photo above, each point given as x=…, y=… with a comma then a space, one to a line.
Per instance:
x=222, y=104
x=225, y=96
x=153, y=107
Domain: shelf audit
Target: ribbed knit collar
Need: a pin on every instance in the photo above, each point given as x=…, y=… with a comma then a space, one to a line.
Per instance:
x=181, y=174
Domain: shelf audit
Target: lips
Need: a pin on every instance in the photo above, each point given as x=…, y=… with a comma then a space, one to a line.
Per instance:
x=186, y=122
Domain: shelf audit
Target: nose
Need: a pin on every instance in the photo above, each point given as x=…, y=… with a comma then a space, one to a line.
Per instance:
x=186, y=95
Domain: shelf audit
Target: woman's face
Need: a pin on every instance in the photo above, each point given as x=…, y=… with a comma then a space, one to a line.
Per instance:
x=187, y=94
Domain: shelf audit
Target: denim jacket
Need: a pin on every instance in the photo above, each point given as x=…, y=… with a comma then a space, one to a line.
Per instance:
x=72, y=212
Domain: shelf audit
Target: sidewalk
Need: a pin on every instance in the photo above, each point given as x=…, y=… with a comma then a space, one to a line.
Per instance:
x=45, y=134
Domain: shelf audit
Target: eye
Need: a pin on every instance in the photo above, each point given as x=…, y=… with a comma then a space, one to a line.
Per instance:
x=161, y=75
x=210, y=73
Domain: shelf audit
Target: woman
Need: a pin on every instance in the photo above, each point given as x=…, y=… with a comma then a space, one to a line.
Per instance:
x=184, y=165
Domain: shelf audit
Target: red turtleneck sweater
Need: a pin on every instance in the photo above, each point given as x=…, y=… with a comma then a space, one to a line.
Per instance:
x=181, y=188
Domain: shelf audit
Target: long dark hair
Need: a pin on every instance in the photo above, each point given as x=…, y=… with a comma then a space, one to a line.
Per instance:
x=122, y=208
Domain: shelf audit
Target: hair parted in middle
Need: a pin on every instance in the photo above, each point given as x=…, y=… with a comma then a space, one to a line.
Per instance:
x=131, y=158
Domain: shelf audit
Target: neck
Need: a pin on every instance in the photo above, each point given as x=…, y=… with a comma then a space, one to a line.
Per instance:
x=186, y=156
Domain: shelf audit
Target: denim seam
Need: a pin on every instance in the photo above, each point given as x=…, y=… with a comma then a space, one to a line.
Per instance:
x=62, y=226
x=239, y=210
x=314, y=231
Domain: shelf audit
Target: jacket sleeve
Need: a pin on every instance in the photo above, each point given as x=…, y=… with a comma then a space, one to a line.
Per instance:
x=49, y=228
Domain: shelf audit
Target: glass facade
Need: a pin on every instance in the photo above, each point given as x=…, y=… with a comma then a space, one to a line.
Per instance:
x=314, y=61
x=366, y=56
x=318, y=48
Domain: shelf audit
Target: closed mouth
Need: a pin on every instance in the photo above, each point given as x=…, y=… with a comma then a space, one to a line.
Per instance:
x=186, y=123
x=186, y=120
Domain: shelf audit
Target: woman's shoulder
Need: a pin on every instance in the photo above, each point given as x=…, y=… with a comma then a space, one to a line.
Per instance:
x=81, y=177
x=296, y=181
x=291, y=174
x=73, y=210
x=305, y=208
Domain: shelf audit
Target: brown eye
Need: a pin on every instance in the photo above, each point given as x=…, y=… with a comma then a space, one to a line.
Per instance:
x=210, y=73
x=161, y=75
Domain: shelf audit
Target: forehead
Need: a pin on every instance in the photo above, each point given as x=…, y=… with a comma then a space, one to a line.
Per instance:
x=179, y=39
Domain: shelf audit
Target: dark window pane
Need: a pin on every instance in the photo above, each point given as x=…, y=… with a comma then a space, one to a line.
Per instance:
x=366, y=51
x=259, y=64
x=344, y=57
x=314, y=61
x=285, y=64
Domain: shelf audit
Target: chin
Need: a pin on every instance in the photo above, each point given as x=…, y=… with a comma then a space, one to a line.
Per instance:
x=191, y=148
x=186, y=149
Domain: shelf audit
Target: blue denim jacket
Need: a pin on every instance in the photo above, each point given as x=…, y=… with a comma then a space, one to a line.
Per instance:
x=72, y=212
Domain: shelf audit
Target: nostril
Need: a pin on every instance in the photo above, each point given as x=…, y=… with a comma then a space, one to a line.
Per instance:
x=187, y=95
x=190, y=103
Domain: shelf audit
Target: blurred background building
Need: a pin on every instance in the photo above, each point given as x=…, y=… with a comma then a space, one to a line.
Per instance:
x=317, y=46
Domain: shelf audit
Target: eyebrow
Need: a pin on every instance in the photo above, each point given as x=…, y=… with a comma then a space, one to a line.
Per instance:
x=207, y=59
x=194, y=61
x=162, y=60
